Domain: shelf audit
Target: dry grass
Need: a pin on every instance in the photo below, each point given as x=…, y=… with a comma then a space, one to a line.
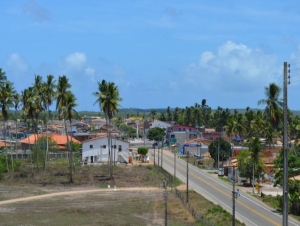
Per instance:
x=98, y=208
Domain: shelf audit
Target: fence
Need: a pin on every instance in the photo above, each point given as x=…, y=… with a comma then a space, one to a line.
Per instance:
x=191, y=209
x=54, y=155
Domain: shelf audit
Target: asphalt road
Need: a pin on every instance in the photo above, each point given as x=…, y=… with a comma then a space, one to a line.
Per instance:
x=248, y=209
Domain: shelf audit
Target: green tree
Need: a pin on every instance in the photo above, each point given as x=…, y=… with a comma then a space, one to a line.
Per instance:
x=225, y=150
x=49, y=90
x=142, y=151
x=7, y=91
x=153, y=112
x=293, y=185
x=108, y=98
x=274, y=103
x=156, y=134
x=65, y=101
x=254, y=158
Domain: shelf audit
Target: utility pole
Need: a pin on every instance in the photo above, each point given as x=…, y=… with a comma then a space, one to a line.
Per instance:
x=174, y=164
x=187, y=177
x=161, y=154
x=166, y=202
x=285, y=148
x=233, y=196
x=154, y=155
x=218, y=154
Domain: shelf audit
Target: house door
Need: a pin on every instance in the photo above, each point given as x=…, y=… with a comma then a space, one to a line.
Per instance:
x=92, y=159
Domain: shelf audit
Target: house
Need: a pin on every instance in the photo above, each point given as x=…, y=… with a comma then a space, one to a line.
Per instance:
x=60, y=139
x=181, y=134
x=96, y=150
x=197, y=147
x=160, y=124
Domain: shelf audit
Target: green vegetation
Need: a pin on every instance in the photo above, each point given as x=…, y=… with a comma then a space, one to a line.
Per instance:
x=142, y=150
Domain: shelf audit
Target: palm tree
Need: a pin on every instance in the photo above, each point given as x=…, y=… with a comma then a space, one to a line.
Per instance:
x=68, y=112
x=204, y=108
x=16, y=103
x=62, y=89
x=39, y=102
x=108, y=99
x=61, y=106
x=153, y=112
x=269, y=133
x=49, y=89
x=6, y=101
x=274, y=105
x=255, y=148
x=2, y=76
x=32, y=108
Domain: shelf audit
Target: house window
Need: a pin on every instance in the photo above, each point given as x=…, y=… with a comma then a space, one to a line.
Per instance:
x=91, y=146
x=120, y=148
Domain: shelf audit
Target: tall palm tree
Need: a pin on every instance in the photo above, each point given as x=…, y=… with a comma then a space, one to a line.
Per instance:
x=2, y=76
x=204, y=108
x=61, y=106
x=274, y=104
x=39, y=102
x=16, y=103
x=62, y=89
x=255, y=154
x=32, y=108
x=108, y=98
x=153, y=112
x=49, y=89
x=68, y=112
x=7, y=91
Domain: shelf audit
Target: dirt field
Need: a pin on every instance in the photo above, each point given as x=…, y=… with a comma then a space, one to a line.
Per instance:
x=137, y=200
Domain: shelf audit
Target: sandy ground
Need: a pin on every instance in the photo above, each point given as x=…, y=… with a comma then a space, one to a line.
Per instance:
x=114, y=189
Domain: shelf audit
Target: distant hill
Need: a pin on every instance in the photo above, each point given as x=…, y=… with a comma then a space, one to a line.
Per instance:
x=134, y=111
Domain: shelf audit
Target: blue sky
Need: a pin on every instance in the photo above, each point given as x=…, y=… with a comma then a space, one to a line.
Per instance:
x=159, y=53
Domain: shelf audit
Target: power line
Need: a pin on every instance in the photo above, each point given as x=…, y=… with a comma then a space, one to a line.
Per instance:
x=298, y=68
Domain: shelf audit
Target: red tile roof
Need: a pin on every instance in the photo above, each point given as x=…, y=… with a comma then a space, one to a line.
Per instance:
x=58, y=138
x=3, y=144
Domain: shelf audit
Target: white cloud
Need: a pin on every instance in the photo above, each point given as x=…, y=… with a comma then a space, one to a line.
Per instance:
x=16, y=64
x=233, y=66
x=37, y=12
x=295, y=56
x=75, y=61
x=91, y=73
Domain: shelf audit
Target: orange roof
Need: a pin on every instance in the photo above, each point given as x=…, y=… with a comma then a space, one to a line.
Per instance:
x=58, y=138
x=3, y=144
x=197, y=140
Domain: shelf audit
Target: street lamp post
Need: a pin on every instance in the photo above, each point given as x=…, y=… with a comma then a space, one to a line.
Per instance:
x=174, y=164
x=158, y=159
x=187, y=177
x=233, y=196
x=218, y=154
x=161, y=154
x=253, y=177
x=154, y=155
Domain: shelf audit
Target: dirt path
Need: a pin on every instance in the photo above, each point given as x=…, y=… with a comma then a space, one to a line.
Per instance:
x=30, y=198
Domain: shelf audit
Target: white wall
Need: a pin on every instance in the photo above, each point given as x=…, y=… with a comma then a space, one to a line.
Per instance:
x=100, y=154
x=160, y=124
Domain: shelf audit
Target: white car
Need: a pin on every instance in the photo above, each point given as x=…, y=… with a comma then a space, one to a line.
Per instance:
x=221, y=172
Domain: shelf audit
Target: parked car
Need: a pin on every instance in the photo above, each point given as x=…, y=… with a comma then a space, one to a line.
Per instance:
x=221, y=172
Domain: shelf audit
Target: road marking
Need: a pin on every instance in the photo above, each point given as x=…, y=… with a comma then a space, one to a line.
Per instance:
x=226, y=194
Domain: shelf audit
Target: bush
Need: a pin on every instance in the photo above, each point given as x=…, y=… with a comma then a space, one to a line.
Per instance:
x=3, y=167
x=142, y=150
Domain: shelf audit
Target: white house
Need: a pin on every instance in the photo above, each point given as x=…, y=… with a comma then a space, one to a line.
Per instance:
x=95, y=150
x=160, y=124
